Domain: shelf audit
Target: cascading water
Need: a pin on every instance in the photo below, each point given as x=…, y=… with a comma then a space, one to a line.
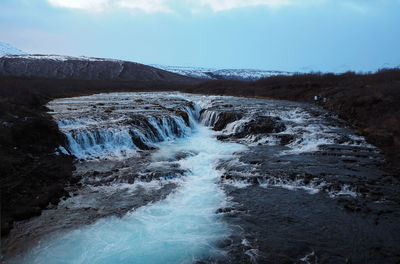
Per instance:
x=117, y=125
x=180, y=229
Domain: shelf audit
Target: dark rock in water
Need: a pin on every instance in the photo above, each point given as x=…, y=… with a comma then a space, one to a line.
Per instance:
x=109, y=110
x=223, y=137
x=225, y=118
x=264, y=125
x=224, y=210
x=139, y=142
x=286, y=139
x=258, y=125
x=183, y=155
x=184, y=115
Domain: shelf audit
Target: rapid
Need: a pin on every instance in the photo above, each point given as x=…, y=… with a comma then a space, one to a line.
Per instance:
x=181, y=178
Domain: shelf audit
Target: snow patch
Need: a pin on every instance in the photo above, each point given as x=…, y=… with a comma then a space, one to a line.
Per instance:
x=217, y=74
x=7, y=49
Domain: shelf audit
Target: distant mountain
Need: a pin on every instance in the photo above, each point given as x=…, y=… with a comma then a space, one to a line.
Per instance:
x=83, y=68
x=14, y=62
x=222, y=74
x=10, y=50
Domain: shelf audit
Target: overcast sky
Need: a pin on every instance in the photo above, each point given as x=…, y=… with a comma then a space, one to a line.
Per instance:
x=291, y=35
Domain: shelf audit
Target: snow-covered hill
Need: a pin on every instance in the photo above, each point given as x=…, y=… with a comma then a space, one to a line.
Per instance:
x=223, y=74
x=6, y=49
x=83, y=68
x=45, y=65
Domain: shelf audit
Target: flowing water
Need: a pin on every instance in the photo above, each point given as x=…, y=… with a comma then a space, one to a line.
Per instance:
x=180, y=229
x=179, y=178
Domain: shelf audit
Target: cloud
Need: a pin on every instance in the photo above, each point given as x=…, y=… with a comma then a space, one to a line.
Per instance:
x=147, y=6
x=88, y=5
x=164, y=6
x=170, y=6
x=221, y=5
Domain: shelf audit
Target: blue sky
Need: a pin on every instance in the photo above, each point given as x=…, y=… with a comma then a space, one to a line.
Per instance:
x=291, y=35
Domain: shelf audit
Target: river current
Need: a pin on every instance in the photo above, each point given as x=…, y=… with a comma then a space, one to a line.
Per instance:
x=179, y=178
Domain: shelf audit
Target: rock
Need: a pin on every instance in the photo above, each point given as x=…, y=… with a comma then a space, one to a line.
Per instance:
x=139, y=142
x=26, y=212
x=184, y=115
x=225, y=118
x=6, y=226
x=264, y=125
x=286, y=139
x=28, y=170
x=109, y=110
x=224, y=210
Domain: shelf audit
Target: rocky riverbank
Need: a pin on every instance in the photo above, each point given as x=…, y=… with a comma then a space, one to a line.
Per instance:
x=33, y=169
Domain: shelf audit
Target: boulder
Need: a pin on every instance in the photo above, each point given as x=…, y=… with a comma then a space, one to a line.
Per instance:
x=225, y=118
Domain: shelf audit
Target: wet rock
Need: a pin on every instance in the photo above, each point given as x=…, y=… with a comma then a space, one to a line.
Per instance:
x=264, y=125
x=224, y=210
x=184, y=116
x=139, y=142
x=224, y=243
x=183, y=155
x=225, y=118
x=109, y=110
x=286, y=139
x=223, y=137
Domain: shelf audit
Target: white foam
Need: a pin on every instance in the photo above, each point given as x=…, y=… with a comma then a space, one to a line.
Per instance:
x=310, y=188
x=237, y=184
x=345, y=190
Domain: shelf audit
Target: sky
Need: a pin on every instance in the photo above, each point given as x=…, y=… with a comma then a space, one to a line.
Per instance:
x=285, y=35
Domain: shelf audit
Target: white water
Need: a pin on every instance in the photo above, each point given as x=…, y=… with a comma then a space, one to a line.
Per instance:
x=180, y=229
x=93, y=133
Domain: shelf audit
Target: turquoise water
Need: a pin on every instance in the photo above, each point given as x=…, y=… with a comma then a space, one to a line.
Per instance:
x=182, y=228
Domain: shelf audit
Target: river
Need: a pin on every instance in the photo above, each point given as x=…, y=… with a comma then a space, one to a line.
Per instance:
x=180, y=178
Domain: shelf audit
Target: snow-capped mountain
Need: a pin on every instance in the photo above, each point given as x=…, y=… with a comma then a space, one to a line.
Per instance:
x=83, y=68
x=20, y=63
x=6, y=49
x=222, y=74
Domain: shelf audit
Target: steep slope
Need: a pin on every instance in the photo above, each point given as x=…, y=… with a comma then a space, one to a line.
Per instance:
x=83, y=68
x=222, y=74
x=8, y=49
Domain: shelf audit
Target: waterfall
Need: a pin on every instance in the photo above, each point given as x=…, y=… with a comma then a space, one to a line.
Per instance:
x=109, y=127
x=183, y=228
x=209, y=118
